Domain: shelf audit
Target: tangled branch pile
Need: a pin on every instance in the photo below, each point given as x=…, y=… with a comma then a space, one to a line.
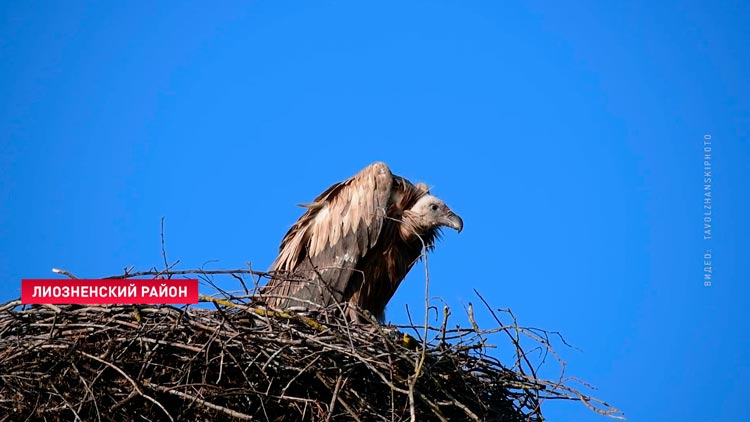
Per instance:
x=240, y=361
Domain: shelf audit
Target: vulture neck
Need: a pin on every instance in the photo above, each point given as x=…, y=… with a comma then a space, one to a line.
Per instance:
x=412, y=233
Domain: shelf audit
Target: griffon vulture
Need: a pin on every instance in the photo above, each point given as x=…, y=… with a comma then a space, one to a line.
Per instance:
x=356, y=242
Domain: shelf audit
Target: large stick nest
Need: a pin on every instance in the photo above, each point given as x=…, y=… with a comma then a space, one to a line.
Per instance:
x=240, y=361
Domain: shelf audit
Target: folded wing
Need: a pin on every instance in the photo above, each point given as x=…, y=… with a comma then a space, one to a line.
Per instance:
x=327, y=243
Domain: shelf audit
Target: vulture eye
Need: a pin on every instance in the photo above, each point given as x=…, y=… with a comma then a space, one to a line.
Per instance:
x=434, y=207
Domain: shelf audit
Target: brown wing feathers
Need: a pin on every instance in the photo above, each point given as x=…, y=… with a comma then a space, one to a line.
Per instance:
x=330, y=238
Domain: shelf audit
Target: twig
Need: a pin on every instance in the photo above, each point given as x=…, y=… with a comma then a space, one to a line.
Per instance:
x=222, y=409
x=132, y=382
x=164, y=247
x=63, y=272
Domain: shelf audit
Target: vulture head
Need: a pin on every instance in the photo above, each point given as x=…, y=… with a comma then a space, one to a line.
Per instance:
x=428, y=214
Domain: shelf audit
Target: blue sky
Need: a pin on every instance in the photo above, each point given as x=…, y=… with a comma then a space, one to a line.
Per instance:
x=569, y=138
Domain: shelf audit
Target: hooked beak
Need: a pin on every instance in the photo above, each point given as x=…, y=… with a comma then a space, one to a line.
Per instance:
x=453, y=221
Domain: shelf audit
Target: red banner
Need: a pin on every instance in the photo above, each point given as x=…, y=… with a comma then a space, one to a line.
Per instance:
x=109, y=291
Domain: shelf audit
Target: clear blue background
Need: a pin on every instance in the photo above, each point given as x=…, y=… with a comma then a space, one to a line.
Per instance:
x=569, y=137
